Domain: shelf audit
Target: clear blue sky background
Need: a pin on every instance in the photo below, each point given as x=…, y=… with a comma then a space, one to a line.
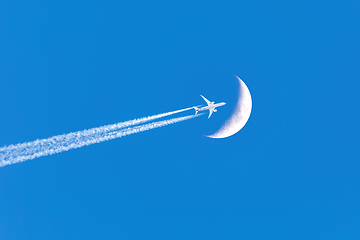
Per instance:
x=293, y=172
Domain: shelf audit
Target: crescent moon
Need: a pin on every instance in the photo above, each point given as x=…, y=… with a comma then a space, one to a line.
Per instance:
x=240, y=115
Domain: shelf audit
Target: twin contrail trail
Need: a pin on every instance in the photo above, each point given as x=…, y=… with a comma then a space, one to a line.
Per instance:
x=26, y=151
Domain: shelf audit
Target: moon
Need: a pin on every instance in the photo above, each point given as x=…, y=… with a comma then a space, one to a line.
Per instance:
x=240, y=115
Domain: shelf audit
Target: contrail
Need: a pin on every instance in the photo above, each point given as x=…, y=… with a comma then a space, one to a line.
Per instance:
x=83, y=134
x=30, y=150
x=96, y=130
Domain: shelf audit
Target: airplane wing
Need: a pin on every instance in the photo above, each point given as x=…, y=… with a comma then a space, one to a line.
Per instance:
x=207, y=101
x=211, y=110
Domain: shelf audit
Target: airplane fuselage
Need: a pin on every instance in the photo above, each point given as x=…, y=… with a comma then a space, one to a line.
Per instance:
x=211, y=106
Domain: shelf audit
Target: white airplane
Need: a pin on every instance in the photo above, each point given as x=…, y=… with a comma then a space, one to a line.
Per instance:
x=210, y=106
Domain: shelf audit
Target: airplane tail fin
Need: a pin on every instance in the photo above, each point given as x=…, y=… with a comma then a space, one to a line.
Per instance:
x=196, y=110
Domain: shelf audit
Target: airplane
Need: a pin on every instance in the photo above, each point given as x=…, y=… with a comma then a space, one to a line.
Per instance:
x=210, y=106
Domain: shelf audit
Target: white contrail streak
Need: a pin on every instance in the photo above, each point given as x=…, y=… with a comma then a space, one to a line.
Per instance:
x=73, y=136
x=91, y=131
x=30, y=150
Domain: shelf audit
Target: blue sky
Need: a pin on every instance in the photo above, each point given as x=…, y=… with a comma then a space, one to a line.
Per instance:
x=293, y=172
